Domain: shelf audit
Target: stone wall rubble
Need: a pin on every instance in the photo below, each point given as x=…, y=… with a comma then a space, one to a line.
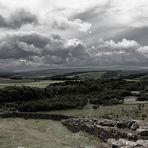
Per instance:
x=118, y=134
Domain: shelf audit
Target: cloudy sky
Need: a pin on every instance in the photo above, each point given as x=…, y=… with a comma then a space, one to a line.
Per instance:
x=40, y=34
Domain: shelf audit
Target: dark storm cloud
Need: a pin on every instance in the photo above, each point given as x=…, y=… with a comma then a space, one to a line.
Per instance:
x=24, y=45
x=123, y=53
x=47, y=49
x=17, y=19
x=13, y=50
x=36, y=49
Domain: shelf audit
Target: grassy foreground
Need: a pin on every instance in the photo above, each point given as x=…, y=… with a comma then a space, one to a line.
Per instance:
x=20, y=133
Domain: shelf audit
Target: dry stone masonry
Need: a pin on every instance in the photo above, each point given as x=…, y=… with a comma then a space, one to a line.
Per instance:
x=30, y=115
x=118, y=134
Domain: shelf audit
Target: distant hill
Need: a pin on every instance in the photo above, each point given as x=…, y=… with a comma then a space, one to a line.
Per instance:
x=53, y=72
x=78, y=73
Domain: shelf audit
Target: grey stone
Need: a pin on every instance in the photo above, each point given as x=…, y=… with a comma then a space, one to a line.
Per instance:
x=125, y=134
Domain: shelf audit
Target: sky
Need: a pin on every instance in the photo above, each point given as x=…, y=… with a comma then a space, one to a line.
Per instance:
x=43, y=34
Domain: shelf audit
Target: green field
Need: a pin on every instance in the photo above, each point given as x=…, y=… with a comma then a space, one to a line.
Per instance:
x=20, y=133
x=87, y=75
x=26, y=82
x=122, y=111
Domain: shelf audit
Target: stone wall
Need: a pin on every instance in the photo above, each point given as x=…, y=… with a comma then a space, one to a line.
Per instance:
x=115, y=133
x=28, y=115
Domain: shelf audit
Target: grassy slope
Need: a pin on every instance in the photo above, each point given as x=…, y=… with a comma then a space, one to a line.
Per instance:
x=123, y=111
x=46, y=133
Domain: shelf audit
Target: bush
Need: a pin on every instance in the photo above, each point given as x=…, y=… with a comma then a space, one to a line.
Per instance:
x=143, y=97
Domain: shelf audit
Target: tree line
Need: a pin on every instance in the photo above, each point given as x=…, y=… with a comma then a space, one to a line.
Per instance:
x=69, y=94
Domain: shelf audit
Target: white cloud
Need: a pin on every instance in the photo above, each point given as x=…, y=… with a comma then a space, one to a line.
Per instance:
x=74, y=43
x=143, y=50
x=111, y=47
x=63, y=23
